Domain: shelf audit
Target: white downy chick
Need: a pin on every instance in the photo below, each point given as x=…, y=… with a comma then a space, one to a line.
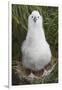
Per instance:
x=36, y=53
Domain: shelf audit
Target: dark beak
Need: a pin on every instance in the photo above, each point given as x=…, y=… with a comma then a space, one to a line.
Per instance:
x=34, y=19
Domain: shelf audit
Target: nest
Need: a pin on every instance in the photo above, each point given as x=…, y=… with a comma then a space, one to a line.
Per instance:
x=20, y=74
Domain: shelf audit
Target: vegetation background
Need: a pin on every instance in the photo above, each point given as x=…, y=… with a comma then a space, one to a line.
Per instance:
x=20, y=15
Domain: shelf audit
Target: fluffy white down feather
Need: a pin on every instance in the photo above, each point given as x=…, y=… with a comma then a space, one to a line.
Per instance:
x=35, y=49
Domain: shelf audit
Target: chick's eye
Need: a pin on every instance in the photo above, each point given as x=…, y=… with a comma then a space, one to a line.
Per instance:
x=32, y=16
x=38, y=16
